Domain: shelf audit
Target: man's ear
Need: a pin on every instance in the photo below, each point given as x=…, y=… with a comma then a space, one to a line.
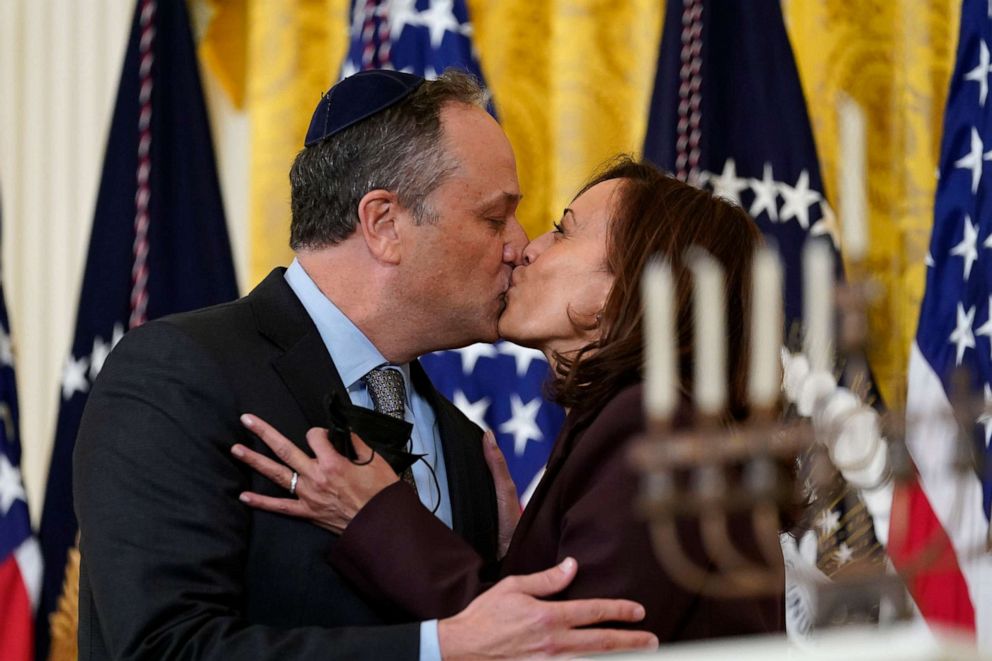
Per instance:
x=378, y=213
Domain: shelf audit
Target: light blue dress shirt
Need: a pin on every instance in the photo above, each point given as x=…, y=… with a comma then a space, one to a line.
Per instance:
x=354, y=356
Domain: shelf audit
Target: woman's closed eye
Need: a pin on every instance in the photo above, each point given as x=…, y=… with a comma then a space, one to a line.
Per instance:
x=560, y=231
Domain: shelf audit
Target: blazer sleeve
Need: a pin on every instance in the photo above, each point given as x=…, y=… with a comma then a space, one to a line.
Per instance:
x=162, y=534
x=400, y=556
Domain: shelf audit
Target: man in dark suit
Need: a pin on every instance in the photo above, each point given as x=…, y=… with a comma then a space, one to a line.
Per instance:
x=405, y=235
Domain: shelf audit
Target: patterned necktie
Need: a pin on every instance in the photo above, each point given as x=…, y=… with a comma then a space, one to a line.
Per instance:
x=388, y=396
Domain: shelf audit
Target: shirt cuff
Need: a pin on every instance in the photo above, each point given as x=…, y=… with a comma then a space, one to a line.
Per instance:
x=430, y=646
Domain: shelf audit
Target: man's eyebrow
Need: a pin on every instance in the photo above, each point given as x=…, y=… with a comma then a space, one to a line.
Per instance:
x=568, y=211
x=502, y=199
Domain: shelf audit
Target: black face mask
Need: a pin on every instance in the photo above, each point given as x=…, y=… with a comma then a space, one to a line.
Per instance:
x=383, y=433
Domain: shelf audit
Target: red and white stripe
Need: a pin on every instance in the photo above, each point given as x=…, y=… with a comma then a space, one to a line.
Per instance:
x=142, y=197
x=690, y=94
x=941, y=516
x=20, y=590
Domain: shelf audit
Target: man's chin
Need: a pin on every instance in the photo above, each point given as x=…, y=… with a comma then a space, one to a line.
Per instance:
x=490, y=337
x=490, y=333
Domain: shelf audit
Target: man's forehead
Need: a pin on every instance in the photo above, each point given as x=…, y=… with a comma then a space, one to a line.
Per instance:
x=485, y=167
x=466, y=126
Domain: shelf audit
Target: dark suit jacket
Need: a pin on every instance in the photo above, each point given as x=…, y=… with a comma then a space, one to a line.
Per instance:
x=582, y=508
x=174, y=566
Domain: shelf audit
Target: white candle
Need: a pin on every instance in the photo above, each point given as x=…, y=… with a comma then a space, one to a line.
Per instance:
x=764, y=382
x=709, y=320
x=853, y=204
x=818, y=304
x=660, y=360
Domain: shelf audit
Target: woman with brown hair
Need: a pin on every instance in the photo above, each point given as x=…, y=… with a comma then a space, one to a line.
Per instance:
x=576, y=298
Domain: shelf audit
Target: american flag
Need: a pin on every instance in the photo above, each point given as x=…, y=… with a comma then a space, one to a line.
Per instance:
x=499, y=386
x=20, y=558
x=158, y=245
x=955, y=331
x=422, y=37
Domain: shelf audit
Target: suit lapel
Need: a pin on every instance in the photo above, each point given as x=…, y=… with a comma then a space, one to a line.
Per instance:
x=309, y=373
x=305, y=367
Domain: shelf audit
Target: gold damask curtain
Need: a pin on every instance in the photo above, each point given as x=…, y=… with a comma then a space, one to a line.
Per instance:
x=572, y=82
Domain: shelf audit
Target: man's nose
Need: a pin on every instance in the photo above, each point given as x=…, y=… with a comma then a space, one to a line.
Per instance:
x=515, y=242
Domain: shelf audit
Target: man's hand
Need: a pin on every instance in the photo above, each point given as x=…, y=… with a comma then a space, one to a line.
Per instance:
x=509, y=622
x=507, y=503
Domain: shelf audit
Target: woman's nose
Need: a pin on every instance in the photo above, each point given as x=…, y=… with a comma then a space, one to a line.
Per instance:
x=535, y=248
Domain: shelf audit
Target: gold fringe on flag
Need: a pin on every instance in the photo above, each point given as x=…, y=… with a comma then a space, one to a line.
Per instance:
x=64, y=621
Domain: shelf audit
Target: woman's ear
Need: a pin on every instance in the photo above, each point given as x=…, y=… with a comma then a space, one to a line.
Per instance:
x=598, y=291
x=378, y=212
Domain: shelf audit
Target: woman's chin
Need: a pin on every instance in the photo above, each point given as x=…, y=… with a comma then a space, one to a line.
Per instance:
x=512, y=332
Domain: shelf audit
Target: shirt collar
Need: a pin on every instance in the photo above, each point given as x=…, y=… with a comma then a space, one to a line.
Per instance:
x=353, y=353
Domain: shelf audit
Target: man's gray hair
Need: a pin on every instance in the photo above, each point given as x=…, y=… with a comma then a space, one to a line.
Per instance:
x=400, y=150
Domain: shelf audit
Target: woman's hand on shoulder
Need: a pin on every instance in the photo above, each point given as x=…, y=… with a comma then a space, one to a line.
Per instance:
x=328, y=490
x=507, y=502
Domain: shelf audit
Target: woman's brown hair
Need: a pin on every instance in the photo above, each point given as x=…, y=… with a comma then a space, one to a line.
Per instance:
x=656, y=214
